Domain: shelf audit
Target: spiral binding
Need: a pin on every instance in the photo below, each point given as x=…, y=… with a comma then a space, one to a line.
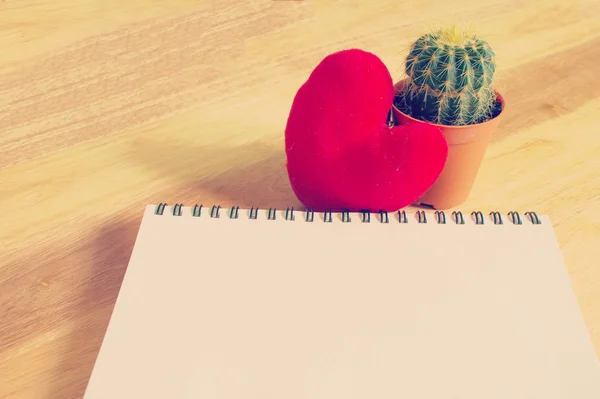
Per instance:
x=365, y=216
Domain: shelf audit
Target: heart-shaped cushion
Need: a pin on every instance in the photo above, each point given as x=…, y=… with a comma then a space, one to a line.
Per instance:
x=341, y=153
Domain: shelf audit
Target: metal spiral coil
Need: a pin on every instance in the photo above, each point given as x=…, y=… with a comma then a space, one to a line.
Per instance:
x=458, y=217
x=289, y=214
x=478, y=217
x=253, y=213
x=177, y=209
x=310, y=215
x=384, y=217
x=214, y=211
x=497, y=217
x=160, y=209
x=402, y=217
x=516, y=218
x=197, y=210
x=440, y=217
x=346, y=217
x=365, y=216
x=533, y=217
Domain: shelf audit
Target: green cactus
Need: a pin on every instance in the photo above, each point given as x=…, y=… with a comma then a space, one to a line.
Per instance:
x=450, y=79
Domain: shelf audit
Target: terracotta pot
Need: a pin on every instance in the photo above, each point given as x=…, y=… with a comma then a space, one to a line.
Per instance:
x=466, y=148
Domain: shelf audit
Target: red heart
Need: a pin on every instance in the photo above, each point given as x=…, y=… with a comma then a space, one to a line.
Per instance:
x=341, y=155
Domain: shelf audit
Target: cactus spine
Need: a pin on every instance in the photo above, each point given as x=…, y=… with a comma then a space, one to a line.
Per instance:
x=450, y=78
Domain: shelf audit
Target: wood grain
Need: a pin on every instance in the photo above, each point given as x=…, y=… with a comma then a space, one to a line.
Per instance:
x=107, y=106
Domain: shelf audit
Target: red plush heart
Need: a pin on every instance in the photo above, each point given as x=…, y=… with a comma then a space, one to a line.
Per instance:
x=341, y=154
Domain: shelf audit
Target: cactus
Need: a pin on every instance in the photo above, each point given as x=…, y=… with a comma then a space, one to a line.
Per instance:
x=450, y=79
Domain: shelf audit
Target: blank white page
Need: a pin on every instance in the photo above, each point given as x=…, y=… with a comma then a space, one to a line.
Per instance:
x=220, y=308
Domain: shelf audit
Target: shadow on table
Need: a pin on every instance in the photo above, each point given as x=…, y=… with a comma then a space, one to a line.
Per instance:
x=105, y=257
x=252, y=175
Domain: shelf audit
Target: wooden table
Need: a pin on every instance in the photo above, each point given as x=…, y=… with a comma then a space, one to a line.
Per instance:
x=107, y=106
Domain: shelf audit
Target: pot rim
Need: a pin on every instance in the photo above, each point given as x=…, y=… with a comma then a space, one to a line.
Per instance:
x=499, y=96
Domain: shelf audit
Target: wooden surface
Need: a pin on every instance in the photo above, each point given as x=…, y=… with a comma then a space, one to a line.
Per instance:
x=106, y=106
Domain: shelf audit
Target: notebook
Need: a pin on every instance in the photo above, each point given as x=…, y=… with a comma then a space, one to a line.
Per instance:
x=230, y=303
